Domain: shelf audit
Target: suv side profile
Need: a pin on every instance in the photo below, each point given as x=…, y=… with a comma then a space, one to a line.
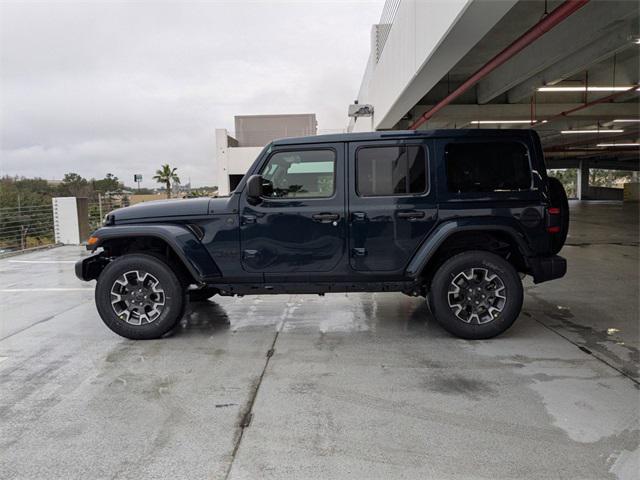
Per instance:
x=456, y=216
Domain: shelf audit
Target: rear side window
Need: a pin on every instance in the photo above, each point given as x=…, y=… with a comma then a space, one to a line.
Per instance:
x=395, y=170
x=487, y=167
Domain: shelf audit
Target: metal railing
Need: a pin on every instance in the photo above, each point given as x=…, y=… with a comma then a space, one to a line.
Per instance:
x=100, y=207
x=384, y=25
x=26, y=227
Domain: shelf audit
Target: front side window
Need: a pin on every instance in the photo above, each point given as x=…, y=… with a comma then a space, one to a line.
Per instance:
x=487, y=167
x=397, y=170
x=300, y=174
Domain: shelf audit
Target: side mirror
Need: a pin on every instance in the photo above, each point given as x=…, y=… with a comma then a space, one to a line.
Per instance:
x=254, y=189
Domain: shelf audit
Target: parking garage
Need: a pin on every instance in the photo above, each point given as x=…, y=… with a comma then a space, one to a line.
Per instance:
x=568, y=70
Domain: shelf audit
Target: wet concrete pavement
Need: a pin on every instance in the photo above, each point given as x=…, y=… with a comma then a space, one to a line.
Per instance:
x=341, y=386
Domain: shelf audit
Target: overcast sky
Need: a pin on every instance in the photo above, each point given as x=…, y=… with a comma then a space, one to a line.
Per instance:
x=121, y=87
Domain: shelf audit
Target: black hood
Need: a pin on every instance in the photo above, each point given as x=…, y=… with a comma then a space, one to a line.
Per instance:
x=172, y=208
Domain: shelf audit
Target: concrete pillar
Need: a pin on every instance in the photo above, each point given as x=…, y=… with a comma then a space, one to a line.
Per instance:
x=70, y=220
x=582, y=181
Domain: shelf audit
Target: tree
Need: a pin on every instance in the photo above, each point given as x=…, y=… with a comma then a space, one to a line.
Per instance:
x=110, y=183
x=608, y=178
x=567, y=177
x=166, y=175
x=75, y=186
x=196, y=193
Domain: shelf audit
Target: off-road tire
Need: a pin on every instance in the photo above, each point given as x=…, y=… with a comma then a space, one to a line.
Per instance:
x=481, y=263
x=174, y=298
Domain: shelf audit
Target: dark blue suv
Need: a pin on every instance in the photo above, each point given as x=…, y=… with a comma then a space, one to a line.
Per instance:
x=457, y=216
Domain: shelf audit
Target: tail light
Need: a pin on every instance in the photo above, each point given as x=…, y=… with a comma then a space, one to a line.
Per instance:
x=553, y=220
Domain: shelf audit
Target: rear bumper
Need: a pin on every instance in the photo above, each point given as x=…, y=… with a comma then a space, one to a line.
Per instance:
x=89, y=268
x=544, y=269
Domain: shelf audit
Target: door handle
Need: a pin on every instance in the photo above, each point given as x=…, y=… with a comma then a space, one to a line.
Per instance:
x=325, y=217
x=411, y=214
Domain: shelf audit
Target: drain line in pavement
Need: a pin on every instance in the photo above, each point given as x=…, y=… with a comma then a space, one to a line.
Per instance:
x=246, y=417
x=589, y=352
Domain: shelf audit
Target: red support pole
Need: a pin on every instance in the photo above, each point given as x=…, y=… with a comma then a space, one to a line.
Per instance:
x=566, y=9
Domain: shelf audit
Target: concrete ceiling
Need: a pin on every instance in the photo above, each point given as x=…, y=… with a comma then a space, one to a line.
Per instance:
x=595, y=46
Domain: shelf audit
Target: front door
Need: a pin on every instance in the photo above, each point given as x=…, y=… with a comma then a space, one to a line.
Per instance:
x=299, y=225
x=392, y=206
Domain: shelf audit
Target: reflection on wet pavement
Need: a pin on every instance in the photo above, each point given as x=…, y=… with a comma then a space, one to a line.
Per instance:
x=355, y=312
x=202, y=318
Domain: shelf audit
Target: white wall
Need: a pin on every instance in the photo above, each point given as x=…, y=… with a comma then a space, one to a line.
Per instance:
x=66, y=226
x=241, y=158
x=427, y=38
x=231, y=160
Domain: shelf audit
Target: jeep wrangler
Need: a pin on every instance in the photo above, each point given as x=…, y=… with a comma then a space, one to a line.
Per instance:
x=456, y=216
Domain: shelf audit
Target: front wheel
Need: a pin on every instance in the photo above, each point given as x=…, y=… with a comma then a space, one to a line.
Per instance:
x=139, y=297
x=476, y=295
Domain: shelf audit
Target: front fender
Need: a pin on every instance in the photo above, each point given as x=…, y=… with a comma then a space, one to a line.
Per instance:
x=180, y=239
x=448, y=228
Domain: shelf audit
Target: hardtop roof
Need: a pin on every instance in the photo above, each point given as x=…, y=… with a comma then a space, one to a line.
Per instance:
x=406, y=134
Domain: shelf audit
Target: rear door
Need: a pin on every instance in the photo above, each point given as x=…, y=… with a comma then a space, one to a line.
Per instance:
x=391, y=203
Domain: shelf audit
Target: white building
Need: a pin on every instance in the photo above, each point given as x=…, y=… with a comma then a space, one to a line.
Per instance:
x=234, y=155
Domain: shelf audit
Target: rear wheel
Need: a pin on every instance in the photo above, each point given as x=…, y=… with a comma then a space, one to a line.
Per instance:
x=559, y=200
x=139, y=297
x=476, y=295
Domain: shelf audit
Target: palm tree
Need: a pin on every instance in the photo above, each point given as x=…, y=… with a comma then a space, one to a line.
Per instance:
x=166, y=175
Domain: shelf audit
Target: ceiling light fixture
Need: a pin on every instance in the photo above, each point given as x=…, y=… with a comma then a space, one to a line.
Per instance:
x=488, y=122
x=585, y=89
x=507, y=122
x=609, y=130
x=627, y=120
x=619, y=145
